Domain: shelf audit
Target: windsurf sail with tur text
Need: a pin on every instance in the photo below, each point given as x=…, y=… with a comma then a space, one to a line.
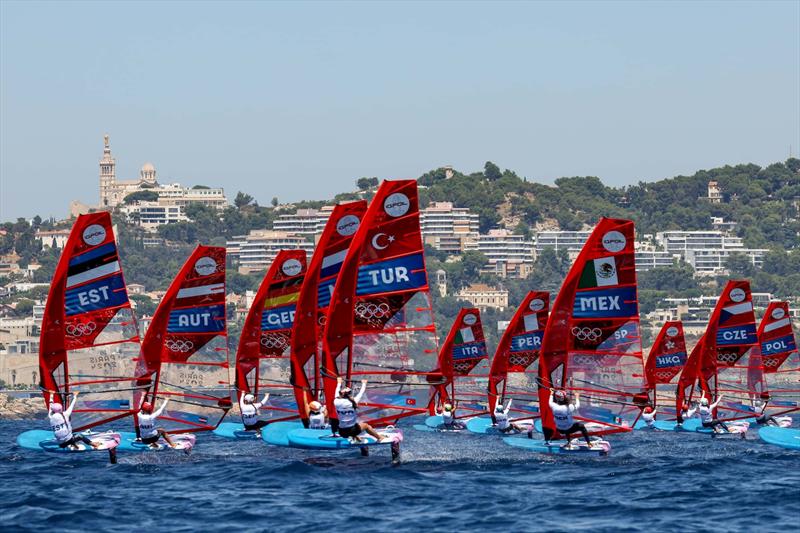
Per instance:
x=380, y=322
x=89, y=339
x=591, y=346
x=314, y=299
x=664, y=363
x=515, y=367
x=719, y=363
x=774, y=374
x=464, y=364
x=263, y=357
x=185, y=349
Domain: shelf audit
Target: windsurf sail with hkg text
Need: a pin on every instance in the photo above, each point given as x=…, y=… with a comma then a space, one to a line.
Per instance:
x=380, y=322
x=515, y=366
x=314, y=299
x=89, y=339
x=263, y=356
x=185, y=349
x=591, y=346
x=665, y=362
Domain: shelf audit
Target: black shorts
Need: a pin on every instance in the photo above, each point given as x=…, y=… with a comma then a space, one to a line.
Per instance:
x=352, y=431
x=258, y=425
x=574, y=428
x=151, y=440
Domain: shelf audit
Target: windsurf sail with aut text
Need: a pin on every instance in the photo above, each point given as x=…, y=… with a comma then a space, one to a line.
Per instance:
x=464, y=363
x=89, y=340
x=185, y=349
x=314, y=299
x=664, y=363
x=263, y=356
x=515, y=369
x=591, y=345
x=774, y=374
x=719, y=362
x=380, y=322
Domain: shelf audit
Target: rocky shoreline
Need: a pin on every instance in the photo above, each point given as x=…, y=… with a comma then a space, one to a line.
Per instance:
x=20, y=408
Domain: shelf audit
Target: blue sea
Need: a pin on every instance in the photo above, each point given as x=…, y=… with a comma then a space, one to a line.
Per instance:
x=446, y=482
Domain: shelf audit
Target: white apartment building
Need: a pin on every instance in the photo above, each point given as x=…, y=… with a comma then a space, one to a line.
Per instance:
x=53, y=238
x=303, y=222
x=257, y=250
x=150, y=215
x=571, y=241
x=713, y=261
x=448, y=228
x=680, y=241
x=508, y=254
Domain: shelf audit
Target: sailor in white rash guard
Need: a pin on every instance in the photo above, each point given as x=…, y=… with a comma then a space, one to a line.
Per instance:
x=148, y=432
x=686, y=413
x=562, y=410
x=501, y=420
x=249, y=409
x=707, y=414
x=448, y=414
x=649, y=416
x=347, y=412
x=317, y=414
x=61, y=426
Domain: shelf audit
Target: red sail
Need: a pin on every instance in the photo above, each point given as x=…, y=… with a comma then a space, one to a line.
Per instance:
x=463, y=361
x=719, y=362
x=380, y=322
x=262, y=359
x=515, y=368
x=314, y=299
x=185, y=349
x=774, y=374
x=89, y=339
x=591, y=344
x=666, y=360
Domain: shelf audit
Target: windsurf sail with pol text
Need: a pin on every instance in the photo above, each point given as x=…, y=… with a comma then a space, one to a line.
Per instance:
x=664, y=363
x=464, y=364
x=263, y=357
x=185, y=350
x=314, y=299
x=515, y=367
x=719, y=362
x=89, y=340
x=591, y=346
x=380, y=322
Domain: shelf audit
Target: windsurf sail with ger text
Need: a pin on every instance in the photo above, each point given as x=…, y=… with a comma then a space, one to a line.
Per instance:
x=719, y=362
x=263, y=356
x=314, y=299
x=591, y=346
x=515, y=366
x=774, y=374
x=464, y=363
x=185, y=349
x=664, y=363
x=89, y=340
x=380, y=322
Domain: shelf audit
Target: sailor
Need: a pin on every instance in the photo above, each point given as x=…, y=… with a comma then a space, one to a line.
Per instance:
x=317, y=414
x=765, y=419
x=448, y=414
x=148, y=432
x=501, y=421
x=62, y=428
x=649, y=416
x=347, y=412
x=687, y=411
x=249, y=409
x=706, y=412
x=562, y=409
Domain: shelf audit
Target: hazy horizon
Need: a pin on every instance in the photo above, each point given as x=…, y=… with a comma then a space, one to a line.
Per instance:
x=298, y=100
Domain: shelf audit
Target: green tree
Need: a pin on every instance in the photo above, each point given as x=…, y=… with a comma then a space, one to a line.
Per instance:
x=140, y=196
x=274, y=201
x=491, y=171
x=242, y=200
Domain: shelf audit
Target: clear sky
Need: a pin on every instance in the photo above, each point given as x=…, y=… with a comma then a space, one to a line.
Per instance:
x=297, y=100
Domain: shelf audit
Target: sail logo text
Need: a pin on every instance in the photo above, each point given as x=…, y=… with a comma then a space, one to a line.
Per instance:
x=675, y=359
x=389, y=276
x=599, y=303
x=93, y=296
x=194, y=320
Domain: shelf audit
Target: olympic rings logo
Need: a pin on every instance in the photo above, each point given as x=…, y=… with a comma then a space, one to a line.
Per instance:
x=81, y=329
x=274, y=341
x=519, y=360
x=370, y=310
x=179, y=346
x=727, y=357
x=587, y=334
x=664, y=375
x=769, y=362
x=462, y=367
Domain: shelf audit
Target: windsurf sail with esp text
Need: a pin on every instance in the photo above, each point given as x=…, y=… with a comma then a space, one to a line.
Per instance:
x=514, y=372
x=380, y=321
x=664, y=363
x=185, y=349
x=314, y=299
x=591, y=346
x=89, y=339
x=263, y=355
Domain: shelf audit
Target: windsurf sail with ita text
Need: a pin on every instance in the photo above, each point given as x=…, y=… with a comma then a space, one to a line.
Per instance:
x=89, y=339
x=185, y=349
x=591, y=346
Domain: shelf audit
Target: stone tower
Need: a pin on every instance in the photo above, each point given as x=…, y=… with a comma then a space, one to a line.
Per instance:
x=108, y=174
